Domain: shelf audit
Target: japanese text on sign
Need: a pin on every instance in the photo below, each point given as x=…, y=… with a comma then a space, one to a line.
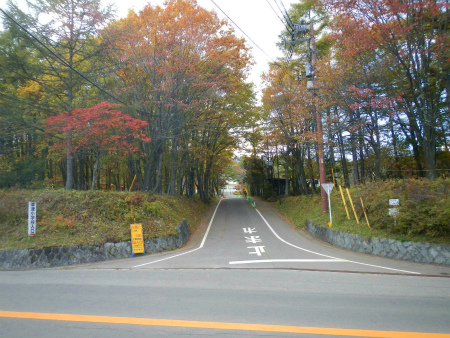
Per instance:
x=31, y=218
x=137, y=240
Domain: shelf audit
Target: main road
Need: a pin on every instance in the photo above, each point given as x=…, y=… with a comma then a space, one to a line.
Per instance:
x=245, y=273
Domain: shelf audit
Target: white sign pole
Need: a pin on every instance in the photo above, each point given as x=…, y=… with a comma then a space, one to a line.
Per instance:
x=328, y=187
x=31, y=218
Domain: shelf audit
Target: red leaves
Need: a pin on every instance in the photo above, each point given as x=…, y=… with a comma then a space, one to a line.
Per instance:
x=364, y=25
x=367, y=98
x=100, y=126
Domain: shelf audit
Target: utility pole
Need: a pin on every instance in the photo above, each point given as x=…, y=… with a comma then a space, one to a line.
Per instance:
x=322, y=172
x=310, y=67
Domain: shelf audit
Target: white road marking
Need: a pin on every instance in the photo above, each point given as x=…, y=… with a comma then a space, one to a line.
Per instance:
x=253, y=239
x=187, y=252
x=287, y=261
x=258, y=250
x=331, y=257
x=249, y=230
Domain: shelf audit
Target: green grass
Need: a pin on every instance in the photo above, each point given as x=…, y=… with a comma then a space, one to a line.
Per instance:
x=424, y=211
x=69, y=218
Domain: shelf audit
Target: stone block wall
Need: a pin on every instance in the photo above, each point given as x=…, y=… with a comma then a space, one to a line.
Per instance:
x=65, y=256
x=409, y=251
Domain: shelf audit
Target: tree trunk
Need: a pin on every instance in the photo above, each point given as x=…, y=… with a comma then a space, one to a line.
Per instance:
x=96, y=171
x=311, y=172
x=429, y=151
x=355, y=161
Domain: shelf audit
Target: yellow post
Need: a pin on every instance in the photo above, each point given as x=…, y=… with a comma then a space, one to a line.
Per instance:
x=132, y=183
x=345, y=203
x=353, y=207
x=364, y=209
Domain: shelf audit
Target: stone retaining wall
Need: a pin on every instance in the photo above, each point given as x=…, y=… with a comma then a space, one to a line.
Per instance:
x=64, y=256
x=409, y=251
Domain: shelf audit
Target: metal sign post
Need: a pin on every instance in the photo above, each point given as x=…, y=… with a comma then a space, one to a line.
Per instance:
x=328, y=187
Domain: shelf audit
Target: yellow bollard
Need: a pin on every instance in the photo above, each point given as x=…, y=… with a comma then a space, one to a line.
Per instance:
x=345, y=203
x=132, y=183
x=367, y=220
x=353, y=207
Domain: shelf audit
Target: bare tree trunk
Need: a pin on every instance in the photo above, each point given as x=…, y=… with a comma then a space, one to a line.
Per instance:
x=173, y=168
x=355, y=162
x=310, y=171
x=96, y=171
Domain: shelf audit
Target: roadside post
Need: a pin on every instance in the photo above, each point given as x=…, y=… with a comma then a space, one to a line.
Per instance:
x=328, y=187
x=343, y=201
x=137, y=239
x=365, y=213
x=353, y=206
x=31, y=219
x=394, y=211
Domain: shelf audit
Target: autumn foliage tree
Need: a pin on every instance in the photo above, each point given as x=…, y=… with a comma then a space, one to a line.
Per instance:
x=290, y=112
x=380, y=85
x=101, y=131
x=182, y=70
x=411, y=39
x=57, y=42
x=176, y=67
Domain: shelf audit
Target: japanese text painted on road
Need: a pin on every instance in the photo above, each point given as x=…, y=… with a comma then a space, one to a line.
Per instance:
x=137, y=239
x=258, y=250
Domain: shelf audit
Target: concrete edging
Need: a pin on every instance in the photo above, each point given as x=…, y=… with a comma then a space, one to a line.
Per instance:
x=409, y=251
x=65, y=256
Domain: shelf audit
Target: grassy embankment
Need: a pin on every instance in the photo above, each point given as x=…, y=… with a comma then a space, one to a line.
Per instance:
x=424, y=211
x=69, y=218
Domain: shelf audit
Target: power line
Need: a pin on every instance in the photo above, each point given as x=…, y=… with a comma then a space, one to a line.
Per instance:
x=286, y=18
x=62, y=61
x=288, y=28
x=59, y=58
x=287, y=14
x=242, y=31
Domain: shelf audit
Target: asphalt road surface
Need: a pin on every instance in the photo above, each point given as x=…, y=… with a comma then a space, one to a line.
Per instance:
x=245, y=273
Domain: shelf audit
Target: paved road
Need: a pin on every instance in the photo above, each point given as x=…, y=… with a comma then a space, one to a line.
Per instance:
x=242, y=237
x=246, y=274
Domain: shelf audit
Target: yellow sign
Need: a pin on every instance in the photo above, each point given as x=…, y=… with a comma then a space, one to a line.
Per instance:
x=137, y=239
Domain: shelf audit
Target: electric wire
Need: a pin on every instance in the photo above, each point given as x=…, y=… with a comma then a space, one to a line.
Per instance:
x=242, y=30
x=286, y=18
x=287, y=14
x=288, y=28
x=59, y=58
x=62, y=61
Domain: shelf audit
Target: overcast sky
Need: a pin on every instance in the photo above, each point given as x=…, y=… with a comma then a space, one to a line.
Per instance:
x=255, y=17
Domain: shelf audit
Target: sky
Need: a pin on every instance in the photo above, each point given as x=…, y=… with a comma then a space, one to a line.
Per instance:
x=255, y=17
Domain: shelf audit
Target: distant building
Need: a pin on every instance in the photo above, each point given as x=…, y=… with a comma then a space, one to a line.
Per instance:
x=231, y=187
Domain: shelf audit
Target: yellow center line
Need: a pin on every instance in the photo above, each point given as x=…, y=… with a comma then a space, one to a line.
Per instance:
x=220, y=325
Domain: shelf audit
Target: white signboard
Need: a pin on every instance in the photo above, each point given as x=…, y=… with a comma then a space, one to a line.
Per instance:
x=394, y=202
x=328, y=187
x=31, y=218
x=393, y=211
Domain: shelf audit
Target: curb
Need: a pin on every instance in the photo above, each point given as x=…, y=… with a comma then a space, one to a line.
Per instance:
x=408, y=251
x=66, y=256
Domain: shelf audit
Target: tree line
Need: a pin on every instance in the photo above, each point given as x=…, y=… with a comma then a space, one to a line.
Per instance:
x=381, y=84
x=152, y=101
